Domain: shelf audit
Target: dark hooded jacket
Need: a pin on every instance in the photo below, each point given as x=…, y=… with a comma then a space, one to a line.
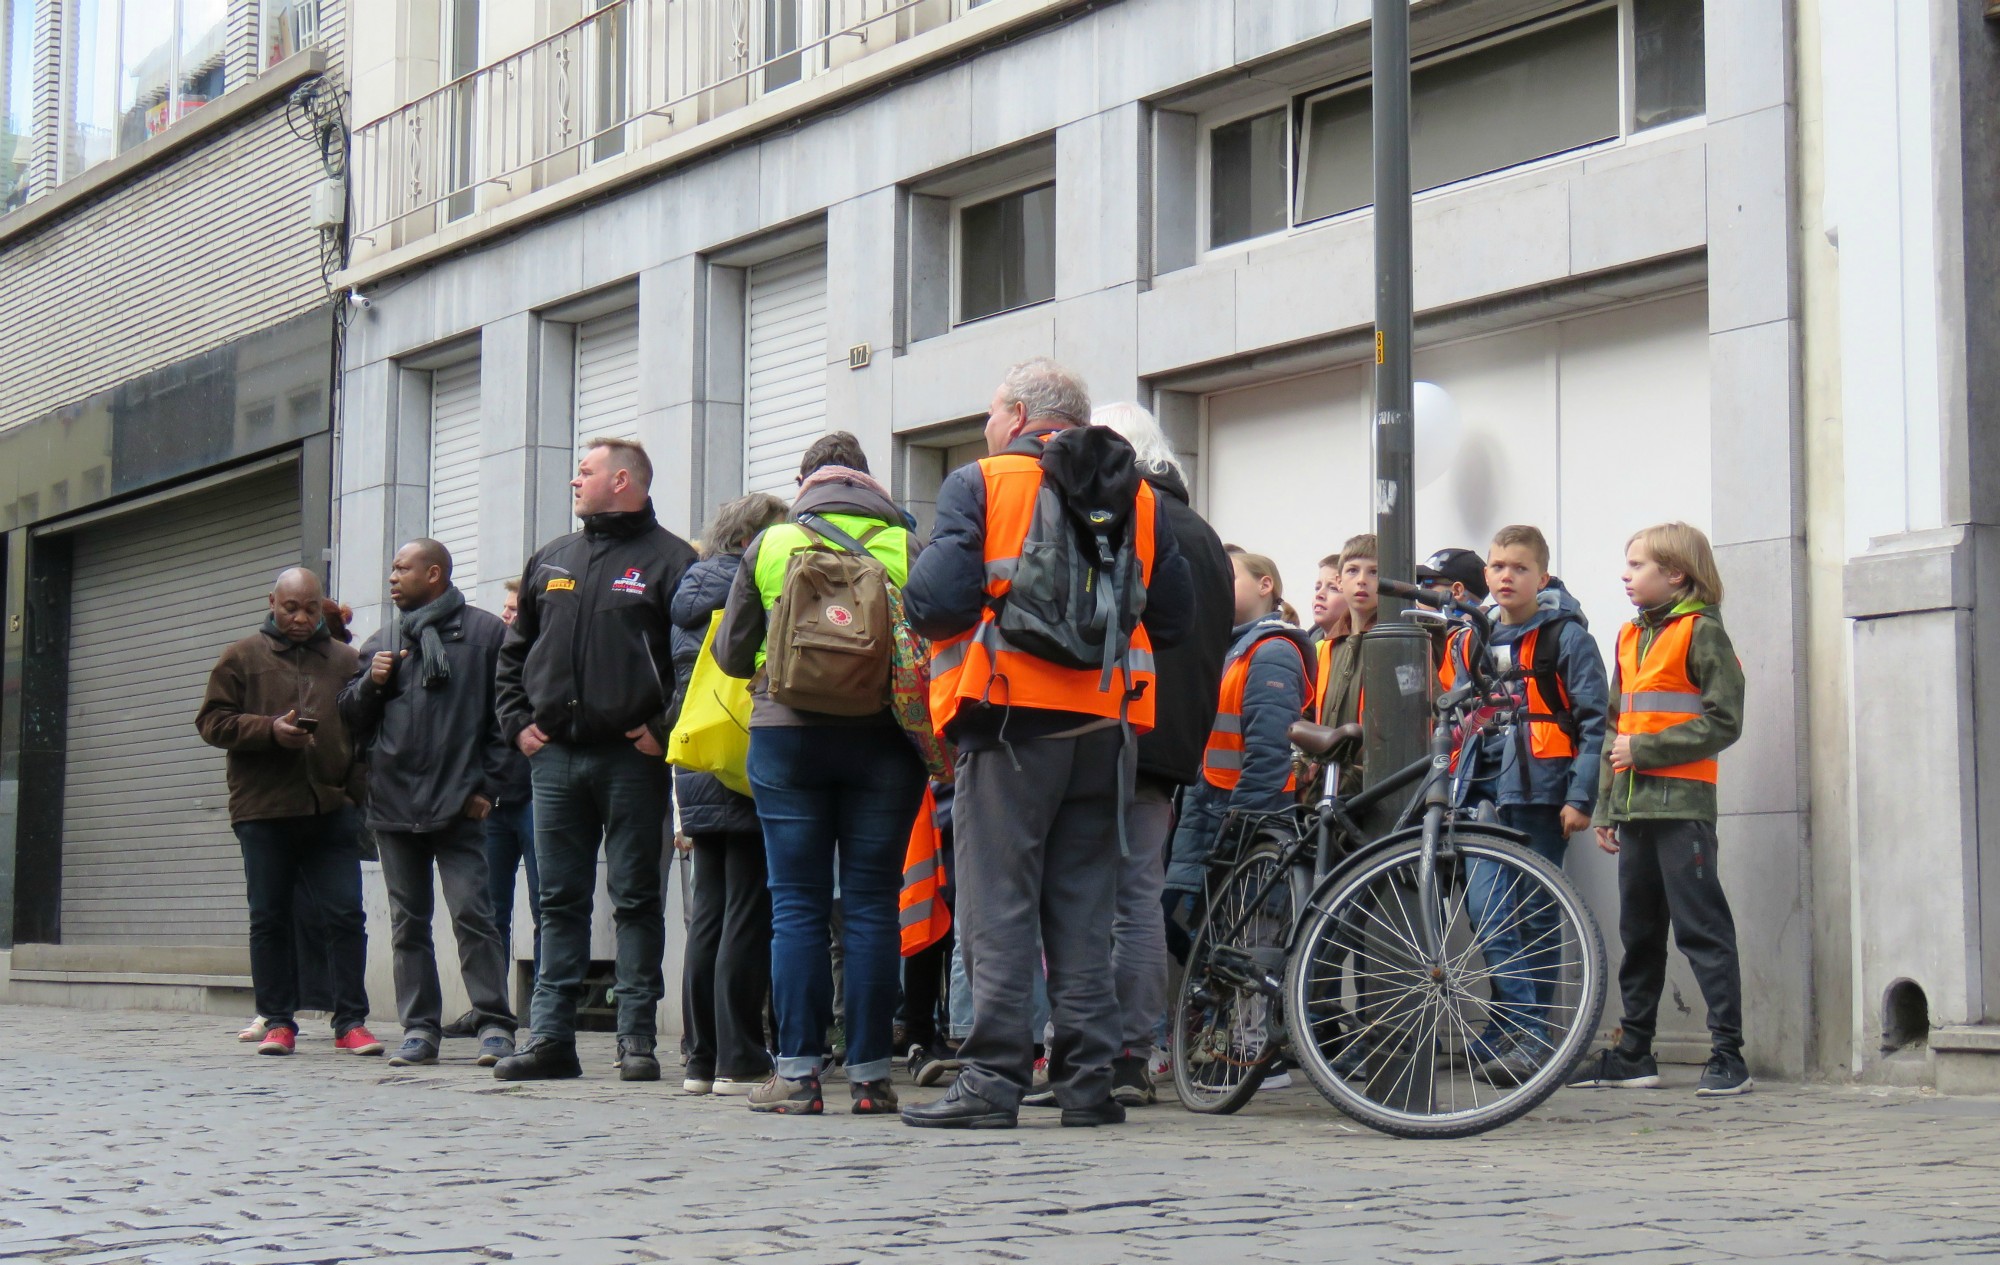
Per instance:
x=1570, y=780
x=1190, y=671
x=256, y=680
x=430, y=749
x=587, y=658
x=707, y=806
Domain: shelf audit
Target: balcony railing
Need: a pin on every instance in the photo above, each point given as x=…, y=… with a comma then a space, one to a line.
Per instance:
x=631, y=73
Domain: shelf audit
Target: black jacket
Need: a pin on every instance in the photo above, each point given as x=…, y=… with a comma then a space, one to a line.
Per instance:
x=1190, y=671
x=946, y=595
x=707, y=806
x=430, y=750
x=587, y=657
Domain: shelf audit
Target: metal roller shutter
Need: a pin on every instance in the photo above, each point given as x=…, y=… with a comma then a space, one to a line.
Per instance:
x=147, y=852
x=607, y=375
x=455, y=469
x=786, y=399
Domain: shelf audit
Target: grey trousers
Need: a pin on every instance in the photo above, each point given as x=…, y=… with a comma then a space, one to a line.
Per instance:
x=458, y=853
x=1037, y=851
x=1139, y=927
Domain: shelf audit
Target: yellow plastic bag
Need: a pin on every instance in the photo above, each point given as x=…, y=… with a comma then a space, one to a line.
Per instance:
x=713, y=735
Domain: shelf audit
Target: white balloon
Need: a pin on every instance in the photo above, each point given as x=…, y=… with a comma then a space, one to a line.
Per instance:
x=1438, y=430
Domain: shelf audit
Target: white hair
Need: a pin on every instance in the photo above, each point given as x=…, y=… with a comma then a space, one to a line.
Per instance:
x=1047, y=390
x=1156, y=454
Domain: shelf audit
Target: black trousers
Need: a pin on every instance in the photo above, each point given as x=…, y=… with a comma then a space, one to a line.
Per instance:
x=317, y=856
x=728, y=973
x=1668, y=877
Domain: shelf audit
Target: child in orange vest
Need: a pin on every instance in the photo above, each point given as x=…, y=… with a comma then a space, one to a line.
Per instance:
x=1676, y=703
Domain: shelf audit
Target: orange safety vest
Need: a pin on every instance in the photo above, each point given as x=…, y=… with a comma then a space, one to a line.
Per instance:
x=1222, y=762
x=924, y=915
x=1546, y=739
x=1323, y=660
x=1457, y=646
x=982, y=666
x=1655, y=691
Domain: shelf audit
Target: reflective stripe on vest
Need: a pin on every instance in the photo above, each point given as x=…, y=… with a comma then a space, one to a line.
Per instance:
x=1222, y=761
x=924, y=916
x=983, y=666
x=1546, y=739
x=1658, y=694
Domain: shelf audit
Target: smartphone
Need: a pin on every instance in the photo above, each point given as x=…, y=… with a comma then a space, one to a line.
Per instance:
x=307, y=723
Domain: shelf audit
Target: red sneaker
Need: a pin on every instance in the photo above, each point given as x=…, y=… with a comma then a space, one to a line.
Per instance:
x=278, y=1041
x=358, y=1040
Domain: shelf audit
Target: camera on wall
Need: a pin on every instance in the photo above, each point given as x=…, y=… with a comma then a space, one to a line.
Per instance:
x=357, y=299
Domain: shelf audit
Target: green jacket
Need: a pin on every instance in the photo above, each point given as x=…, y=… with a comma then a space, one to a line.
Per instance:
x=1713, y=667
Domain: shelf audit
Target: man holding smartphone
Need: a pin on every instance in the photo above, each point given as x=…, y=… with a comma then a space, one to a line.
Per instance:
x=421, y=704
x=270, y=705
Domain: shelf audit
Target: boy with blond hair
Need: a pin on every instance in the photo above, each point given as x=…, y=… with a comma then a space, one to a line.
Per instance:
x=1677, y=703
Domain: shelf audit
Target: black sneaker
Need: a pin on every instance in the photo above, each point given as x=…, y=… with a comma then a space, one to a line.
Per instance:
x=1511, y=1065
x=1724, y=1077
x=784, y=1096
x=636, y=1061
x=1131, y=1082
x=1617, y=1068
x=1107, y=1111
x=873, y=1098
x=929, y=1065
x=542, y=1059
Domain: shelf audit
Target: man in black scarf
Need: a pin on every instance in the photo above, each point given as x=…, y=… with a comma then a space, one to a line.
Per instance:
x=421, y=705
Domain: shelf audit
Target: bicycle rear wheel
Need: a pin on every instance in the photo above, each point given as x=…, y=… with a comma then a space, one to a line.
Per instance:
x=1402, y=1038
x=1227, y=1019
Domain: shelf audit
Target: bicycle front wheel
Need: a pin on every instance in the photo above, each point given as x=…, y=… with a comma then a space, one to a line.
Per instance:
x=1227, y=1027
x=1456, y=1028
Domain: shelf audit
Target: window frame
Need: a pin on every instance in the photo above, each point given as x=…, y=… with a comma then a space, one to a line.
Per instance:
x=993, y=193
x=1298, y=104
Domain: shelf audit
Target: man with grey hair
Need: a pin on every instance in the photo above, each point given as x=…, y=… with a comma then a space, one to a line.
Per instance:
x=1045, y=752
x=585, y=692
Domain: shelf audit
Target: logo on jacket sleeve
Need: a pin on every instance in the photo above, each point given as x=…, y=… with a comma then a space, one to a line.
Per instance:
x=633, y=582
x=559, y=586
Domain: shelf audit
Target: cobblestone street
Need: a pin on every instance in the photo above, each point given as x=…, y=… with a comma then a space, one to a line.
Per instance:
x=156, y=1137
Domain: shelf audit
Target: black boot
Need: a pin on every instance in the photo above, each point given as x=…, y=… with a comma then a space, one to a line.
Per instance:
x=960, y=1108
x=636, y=1061
x=542, y=1059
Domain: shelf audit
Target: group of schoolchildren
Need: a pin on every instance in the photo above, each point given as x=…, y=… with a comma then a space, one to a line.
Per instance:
x=1631, y=761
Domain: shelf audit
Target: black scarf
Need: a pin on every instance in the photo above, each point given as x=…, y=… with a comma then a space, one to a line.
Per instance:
x=271, y=630
x=421, y=626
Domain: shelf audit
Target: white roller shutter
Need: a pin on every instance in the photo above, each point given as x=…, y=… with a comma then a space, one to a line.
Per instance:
x=455, y=469
x=607, y=375
x=148, y=856
x=786, y=400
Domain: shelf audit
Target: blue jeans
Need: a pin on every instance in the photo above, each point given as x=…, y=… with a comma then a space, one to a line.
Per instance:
x=830, y=796
x=510, y=843
x=612, y=793
x=1522, y=947
x=316, y=857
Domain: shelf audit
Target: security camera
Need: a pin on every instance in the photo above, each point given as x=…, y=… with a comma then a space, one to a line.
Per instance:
x=358, y=299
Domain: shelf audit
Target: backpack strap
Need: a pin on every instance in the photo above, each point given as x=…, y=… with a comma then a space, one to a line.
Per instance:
x=820, y=528
x=1548, y=682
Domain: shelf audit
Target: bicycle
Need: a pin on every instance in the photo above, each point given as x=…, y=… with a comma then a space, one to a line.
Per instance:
x=1390, y=969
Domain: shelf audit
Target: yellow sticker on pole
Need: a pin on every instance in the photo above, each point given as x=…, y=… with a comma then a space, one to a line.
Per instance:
x=1379, y=357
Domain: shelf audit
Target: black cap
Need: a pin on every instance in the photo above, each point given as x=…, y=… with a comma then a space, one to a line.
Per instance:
x=1461, y=566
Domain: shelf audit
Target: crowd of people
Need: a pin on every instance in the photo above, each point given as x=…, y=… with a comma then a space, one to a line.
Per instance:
x=985, y=773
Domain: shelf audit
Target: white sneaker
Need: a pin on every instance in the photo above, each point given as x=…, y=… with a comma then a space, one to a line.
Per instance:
x=696, y=1085
x=1161, y=1065
x=256, y=1030
x=724, y=1085
x=1276, y=1080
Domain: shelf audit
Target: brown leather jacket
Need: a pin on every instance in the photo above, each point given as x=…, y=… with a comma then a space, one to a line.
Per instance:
x=262, y=677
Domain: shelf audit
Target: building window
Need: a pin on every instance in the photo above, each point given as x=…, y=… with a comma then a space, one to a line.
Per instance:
x=1670, y=79
x=17, y=82
x=460, y=44
x=1546, y=92
x=290, y=26
x=1249, y=173
x=1007, y=252
x=170, y=64
x=608, y=106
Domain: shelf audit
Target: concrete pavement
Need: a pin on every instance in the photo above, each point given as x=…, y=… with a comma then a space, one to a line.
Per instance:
x=139, y=1137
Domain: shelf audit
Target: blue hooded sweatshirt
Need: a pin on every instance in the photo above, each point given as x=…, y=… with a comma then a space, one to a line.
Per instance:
x=1570, y=780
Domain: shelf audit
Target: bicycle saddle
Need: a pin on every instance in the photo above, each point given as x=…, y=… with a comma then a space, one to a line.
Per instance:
x=1317, y=740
